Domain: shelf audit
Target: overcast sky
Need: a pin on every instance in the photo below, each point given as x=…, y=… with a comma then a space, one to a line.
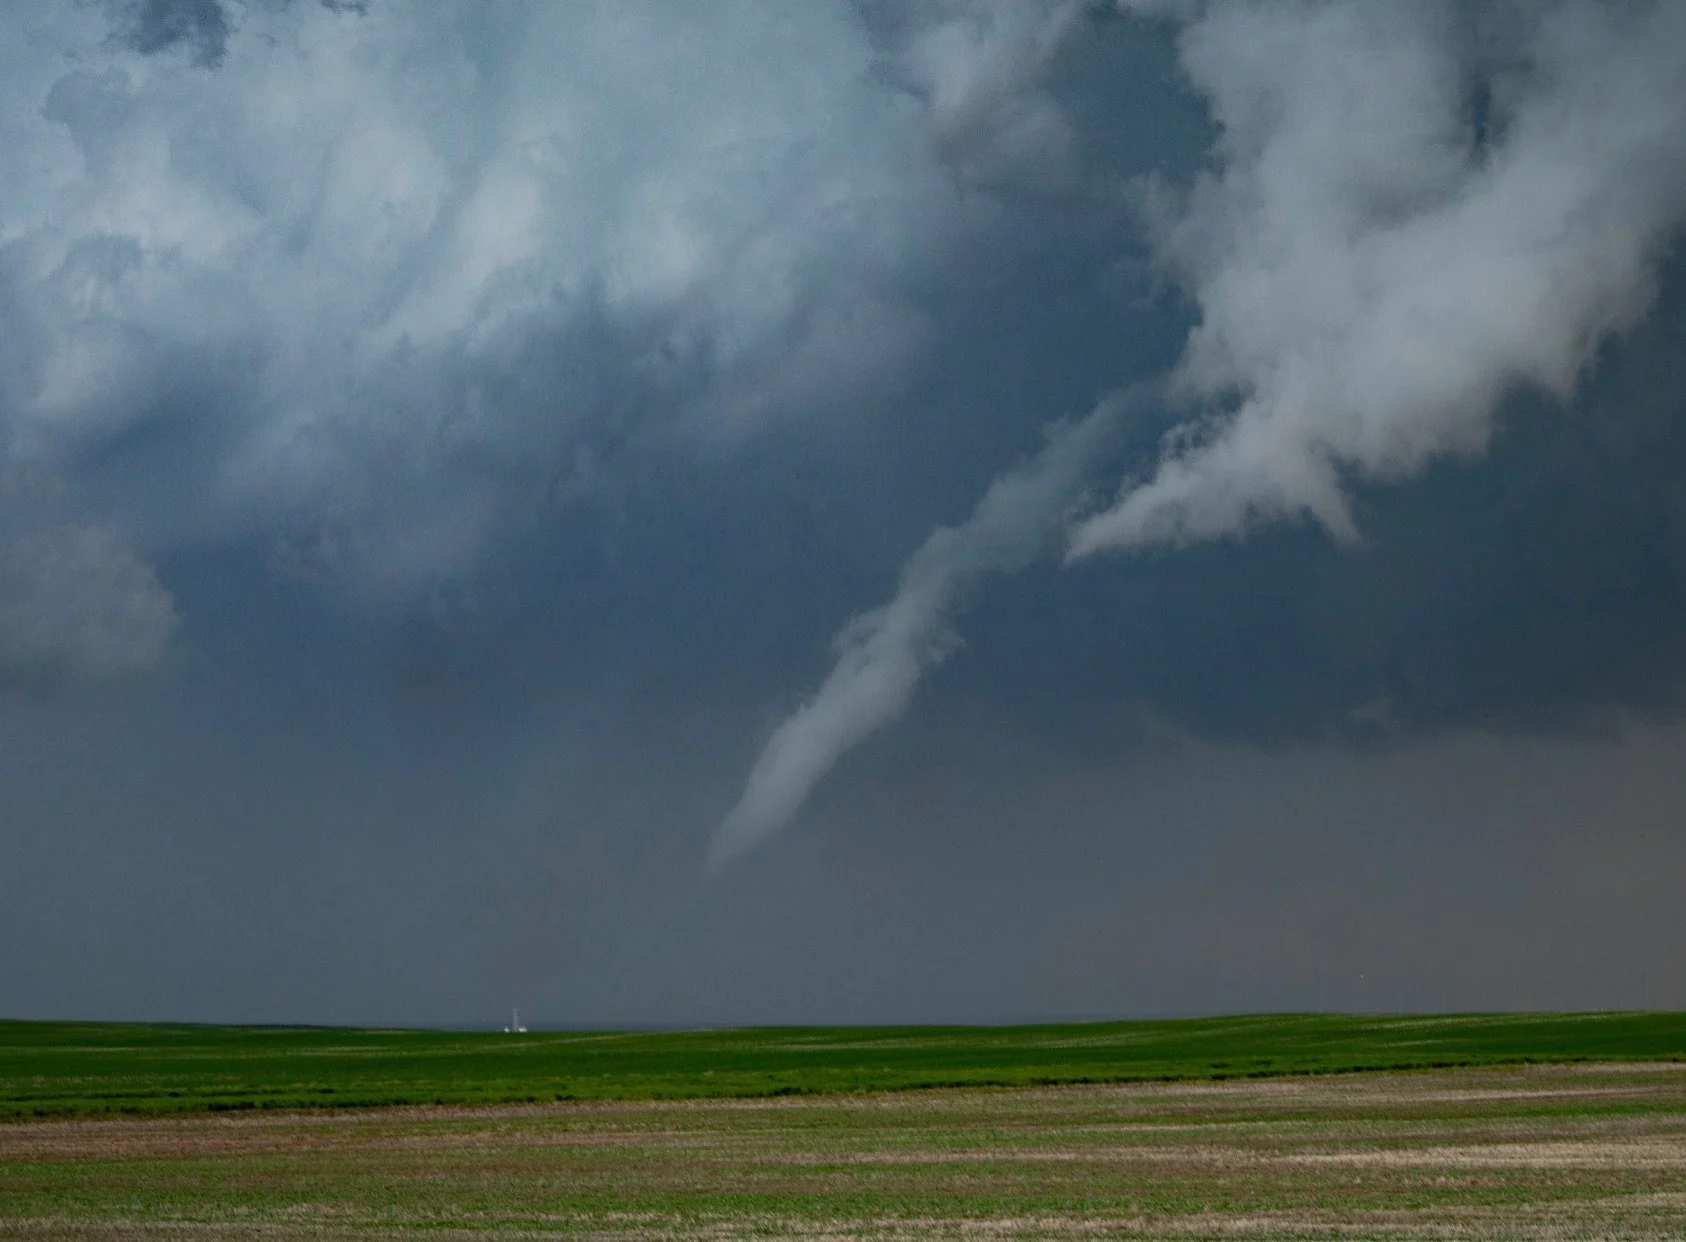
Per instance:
x=756, y=512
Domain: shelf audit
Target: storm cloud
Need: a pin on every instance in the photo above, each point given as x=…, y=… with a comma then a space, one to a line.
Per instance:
x=334, y=270
x=1416, y=211
x=883, y=653
x=74, y=602
x=1412, y=219
x=438, y=442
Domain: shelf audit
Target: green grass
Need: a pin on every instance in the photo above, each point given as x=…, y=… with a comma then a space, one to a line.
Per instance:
x=1526, y=1152
x=63, y=1068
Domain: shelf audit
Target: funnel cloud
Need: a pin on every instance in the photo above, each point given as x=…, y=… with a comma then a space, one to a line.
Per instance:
x=882, y=654
x=1415, y=210
x=439, y=441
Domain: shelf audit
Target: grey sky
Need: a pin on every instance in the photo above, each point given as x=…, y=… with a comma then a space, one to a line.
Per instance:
x=442, y=444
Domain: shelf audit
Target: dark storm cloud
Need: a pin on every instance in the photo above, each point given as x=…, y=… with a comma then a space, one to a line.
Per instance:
x=475, y=422
x=74, y=602
x=153, y=26
x=1540, y=587
x=414, y=263
x=201, y=27
x=393, y=318
x=1374, y=273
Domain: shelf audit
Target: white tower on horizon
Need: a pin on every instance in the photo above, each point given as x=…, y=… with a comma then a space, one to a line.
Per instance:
x=514, y=1026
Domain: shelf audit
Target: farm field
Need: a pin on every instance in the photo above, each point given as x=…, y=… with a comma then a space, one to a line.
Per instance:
x=1535, y=1152
x=52, y=1069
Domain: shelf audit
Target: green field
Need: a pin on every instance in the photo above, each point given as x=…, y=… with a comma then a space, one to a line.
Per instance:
x=57, y=1069
x=1535, y=1152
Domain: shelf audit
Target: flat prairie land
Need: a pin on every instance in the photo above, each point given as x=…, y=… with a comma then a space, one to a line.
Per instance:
x=61, y=1068
x=1593, y=1150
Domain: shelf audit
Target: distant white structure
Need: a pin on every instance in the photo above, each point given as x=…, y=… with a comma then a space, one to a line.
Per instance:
x=514, y=1027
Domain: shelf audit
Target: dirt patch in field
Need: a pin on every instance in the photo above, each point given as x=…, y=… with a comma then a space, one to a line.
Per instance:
x=1655, y=1154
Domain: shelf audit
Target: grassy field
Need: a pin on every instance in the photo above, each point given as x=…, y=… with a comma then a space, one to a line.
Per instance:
x=1535, y=1152
x=49, y=1069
